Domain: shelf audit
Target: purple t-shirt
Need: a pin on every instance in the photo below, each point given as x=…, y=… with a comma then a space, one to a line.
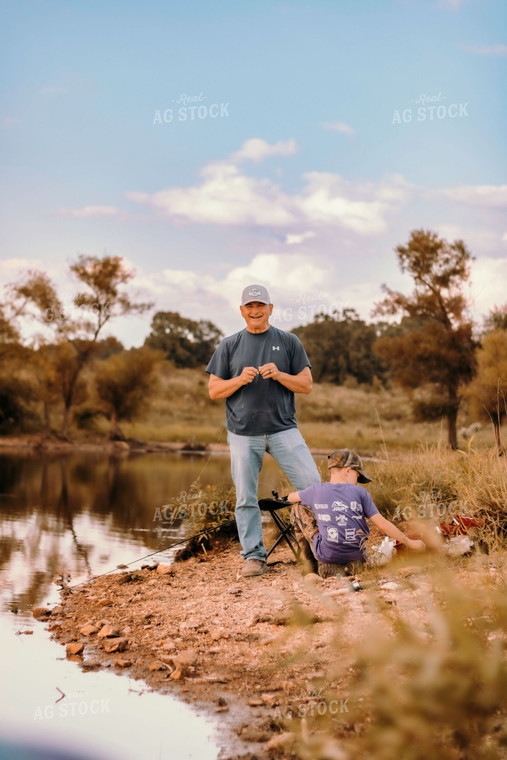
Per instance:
x=341, y=510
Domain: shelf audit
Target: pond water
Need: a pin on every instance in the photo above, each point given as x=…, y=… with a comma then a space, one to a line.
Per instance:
x=82, y=515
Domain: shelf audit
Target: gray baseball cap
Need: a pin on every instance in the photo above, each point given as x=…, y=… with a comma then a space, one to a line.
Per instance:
x=342, y=458
x=255, y=293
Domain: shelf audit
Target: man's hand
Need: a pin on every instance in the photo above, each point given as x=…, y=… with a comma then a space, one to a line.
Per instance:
x=269, y=371
x=220, y=388
x=248, y=374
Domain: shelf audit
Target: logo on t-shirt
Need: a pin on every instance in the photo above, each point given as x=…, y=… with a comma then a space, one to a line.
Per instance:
x=324, y=517
x=276, y=348
x=332, y=534
x=338, y=506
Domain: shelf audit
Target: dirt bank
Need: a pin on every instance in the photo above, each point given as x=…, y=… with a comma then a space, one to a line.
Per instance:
x=228, y=644
x=60, y=444
x=40, y=443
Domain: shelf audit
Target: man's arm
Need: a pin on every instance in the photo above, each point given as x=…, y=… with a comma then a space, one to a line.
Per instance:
x=393, y=532
x=300, y=383
x=219, y=388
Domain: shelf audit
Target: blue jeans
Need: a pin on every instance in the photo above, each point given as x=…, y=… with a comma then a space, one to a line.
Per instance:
x=289, y=449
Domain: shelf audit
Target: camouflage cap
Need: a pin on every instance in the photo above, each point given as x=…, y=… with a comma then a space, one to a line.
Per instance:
x=347, y=458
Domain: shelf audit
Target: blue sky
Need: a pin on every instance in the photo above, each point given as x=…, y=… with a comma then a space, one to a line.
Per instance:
x=313, y=139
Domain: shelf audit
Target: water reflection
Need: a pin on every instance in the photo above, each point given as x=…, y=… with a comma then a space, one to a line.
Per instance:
x=83, y=514
x=75, y=514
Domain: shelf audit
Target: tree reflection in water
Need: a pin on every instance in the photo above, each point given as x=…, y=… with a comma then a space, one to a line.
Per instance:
x=82, y=514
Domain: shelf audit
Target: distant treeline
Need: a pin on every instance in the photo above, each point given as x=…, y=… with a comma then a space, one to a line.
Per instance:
x=429, y=345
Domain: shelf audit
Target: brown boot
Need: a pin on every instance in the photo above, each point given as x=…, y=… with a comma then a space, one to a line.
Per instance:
x=309, y=561
x=253, y=567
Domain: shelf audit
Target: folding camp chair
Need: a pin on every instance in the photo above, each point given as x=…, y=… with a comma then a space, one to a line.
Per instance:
x=272, y=506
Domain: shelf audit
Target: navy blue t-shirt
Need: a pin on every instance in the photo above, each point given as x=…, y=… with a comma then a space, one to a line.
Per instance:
x=263, y=406
x=341, y=510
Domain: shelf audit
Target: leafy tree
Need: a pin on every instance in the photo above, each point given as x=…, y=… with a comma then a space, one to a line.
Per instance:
x=488, y=390
x=76, y=337
x=109, y=346
x=15, y=386
x=435, y=349
x=103, y=297
x=59, y=373
x=340, y=346
x=124, y=382
x=8, y=332
x=186, y=342
x=16, y=393
x=46, y=379
x=496, y=319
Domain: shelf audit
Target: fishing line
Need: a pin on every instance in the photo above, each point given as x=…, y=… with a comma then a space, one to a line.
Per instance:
x=224, y=427
x=152, y=554
x=177, y=543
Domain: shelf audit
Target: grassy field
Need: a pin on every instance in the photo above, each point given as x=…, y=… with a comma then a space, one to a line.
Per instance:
x=374, y=421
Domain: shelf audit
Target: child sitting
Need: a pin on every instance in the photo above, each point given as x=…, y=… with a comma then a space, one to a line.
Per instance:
x=329, y=519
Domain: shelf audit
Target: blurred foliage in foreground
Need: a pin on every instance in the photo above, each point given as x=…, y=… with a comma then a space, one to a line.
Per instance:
x=436, y=691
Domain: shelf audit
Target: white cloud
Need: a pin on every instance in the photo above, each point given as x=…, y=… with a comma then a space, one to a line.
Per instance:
x=257, y=150
x=227, y=196
x=8, y=266
x=494, y=50
x=92, y=211
x=338, y=126
x=360, y=207
x=488, y=277
x=295, y=239
x=491, y=196
x=301, y=285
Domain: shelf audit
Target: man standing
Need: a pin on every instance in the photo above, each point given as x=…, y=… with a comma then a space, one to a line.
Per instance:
x=257, y=371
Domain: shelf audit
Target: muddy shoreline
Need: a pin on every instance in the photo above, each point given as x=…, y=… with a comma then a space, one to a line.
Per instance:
x=43, y=443
x=248, y=651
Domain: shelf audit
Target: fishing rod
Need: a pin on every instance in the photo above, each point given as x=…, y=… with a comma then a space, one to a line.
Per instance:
x=152, y=554
x=165, y=548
